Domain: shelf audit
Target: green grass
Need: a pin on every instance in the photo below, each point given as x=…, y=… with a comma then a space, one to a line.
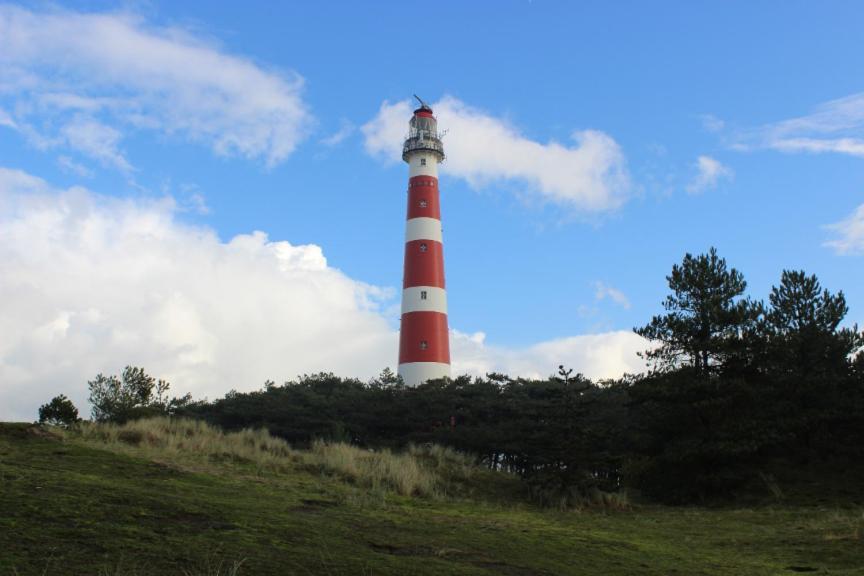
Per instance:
x=82, y=504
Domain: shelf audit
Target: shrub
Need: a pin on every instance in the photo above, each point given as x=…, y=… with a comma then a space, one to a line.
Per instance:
x=134, y=395
x=59, y=412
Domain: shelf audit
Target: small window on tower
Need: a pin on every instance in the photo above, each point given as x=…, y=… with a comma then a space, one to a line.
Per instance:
x=424, y=345
x=422, y=203
x=423, y=247
x=422, y=161
x=422, y=294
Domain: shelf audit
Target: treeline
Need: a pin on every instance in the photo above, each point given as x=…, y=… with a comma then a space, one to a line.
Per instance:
x=738, y=392
x=739, y=397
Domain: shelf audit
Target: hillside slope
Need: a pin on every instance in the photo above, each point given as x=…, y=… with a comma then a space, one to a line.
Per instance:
x=73, y=507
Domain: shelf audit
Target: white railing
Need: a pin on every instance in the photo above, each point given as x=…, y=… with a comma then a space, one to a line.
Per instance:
x=420, y=143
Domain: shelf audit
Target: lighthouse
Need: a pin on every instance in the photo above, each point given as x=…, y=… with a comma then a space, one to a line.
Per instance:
x=424, y=344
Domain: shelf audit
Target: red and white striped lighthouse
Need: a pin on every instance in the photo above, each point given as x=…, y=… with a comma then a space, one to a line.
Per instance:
x=424, y=344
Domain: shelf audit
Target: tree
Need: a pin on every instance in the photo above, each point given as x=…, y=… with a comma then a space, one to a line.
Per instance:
x=386, y=378
x=802, y=325
x=59, y=412
x=135, y=395
x=706, y=315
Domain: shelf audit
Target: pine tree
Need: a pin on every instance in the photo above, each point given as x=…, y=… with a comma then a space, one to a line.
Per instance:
x=706, y=316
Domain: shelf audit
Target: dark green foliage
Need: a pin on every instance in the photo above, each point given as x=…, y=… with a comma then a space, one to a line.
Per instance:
x=134, y=395
x=705, y=318
x=766, y=389
x=696, y=438
x=59, y=412
x=802, y=328
x=552, y=432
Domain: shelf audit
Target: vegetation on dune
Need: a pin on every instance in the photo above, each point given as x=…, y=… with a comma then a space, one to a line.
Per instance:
x=60, y=411
x=430, y=471
x=741, y=397
x=135, y=394
x=80, y=505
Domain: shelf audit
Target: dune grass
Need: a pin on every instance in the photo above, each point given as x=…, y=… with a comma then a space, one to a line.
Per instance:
x=431, y=471
x=188, y=441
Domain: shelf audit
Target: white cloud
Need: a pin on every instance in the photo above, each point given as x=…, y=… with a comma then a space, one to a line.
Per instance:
x=712, y=123
x=66, y=72
x=589, y=175
x=72, y=167
x=385, y=133
x=836, y=126
x=346, y=129
x=850, y=146
x=197, y=203
x=6, y=119
x=849, y=233
x=597, y=356
x=709, y=174
x=90, y=283
x=603, y=291
x=96, y=140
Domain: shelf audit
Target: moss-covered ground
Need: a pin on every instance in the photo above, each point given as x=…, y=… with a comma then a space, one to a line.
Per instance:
x=68, y=507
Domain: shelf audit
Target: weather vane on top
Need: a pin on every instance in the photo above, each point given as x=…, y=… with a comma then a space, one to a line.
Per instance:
x=423, y=104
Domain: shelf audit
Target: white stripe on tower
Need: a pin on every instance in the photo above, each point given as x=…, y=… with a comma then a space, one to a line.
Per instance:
x=423, y=229
x=424, y=299
x=415, y=373
x=424, y=347
x=422, y=163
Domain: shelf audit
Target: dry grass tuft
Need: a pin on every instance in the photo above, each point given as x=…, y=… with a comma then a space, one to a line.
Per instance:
x=429, y=471
x=383, y=470
x=191, y=441
x=551, y=495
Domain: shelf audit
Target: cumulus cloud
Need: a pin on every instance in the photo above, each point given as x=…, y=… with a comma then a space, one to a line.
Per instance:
x=83, y=79
x=603, y=291
x=849, y=233
x=90, y=283
x=597, y=356
x=588, y=175
x=836, y=126
x=709, y=174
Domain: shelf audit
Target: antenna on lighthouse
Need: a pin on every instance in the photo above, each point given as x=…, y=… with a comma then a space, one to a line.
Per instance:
x=423, y=104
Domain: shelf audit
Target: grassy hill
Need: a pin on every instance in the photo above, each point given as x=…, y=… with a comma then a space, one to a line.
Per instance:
x=185, y=499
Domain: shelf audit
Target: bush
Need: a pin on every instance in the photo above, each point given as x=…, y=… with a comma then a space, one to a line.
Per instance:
x=134, y=395
x=59, y=412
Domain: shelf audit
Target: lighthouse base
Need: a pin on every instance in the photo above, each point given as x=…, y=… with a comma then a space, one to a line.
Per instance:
x=416, y=373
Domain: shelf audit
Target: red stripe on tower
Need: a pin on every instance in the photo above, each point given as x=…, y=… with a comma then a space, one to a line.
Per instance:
x=424, y=264
x=424, y=345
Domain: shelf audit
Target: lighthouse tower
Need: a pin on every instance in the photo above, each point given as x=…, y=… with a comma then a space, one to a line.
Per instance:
x=424, y=345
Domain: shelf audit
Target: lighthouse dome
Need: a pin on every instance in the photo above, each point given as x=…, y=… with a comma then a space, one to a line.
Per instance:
x=423, y=134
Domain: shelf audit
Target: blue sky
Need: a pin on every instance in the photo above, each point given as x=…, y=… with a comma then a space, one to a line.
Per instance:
x=591, y=145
